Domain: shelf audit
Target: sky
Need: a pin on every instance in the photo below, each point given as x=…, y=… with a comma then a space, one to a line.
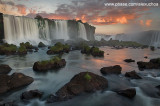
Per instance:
x=106, y=19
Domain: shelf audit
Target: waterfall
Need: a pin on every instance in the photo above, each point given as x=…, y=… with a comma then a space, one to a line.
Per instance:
x=20, y=29
x=82, y=31
x=23, y=29
x=62, y=30
x=151, y=38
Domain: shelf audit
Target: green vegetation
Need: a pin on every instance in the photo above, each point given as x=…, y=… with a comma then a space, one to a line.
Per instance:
x=22, y=49
x=93, y=50
x=87, y=77
x=55, y=59
x=60, y=48
x=8, y=48
x=27, y=45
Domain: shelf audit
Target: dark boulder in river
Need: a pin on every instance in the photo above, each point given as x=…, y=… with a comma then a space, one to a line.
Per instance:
x=32, y=94
x=111, y=70
x=132, y=75
x=83, y=82
x=5, y=69
x=43, y=66
x=16, y=80
x=41, y=44
x=152, y=64
x=129, y=60
x=130, y=93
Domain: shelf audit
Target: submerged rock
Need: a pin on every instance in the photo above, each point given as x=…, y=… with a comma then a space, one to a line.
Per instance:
x=111, y=70
x=16, y=80
x=41, y=44
x=129, y=60
x=132, y=75
x=130, y=93
x=54, y=63
x=80, y=83
x=32, y=94
x=5, y=69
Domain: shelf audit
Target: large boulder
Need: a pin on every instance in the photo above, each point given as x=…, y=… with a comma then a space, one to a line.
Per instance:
x=32, y=94
x=111, y=70
x=129, y=60
x=5, y=69
x=147, y=65
x=130, y=93
x=44, y=66
x=152, y=64
x=132, y=75
x=80, y=83
x=16, y=80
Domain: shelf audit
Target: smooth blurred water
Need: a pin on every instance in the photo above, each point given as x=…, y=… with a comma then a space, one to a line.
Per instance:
x=53, y=80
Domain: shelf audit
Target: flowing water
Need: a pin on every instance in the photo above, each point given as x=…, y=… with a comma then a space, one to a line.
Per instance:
x=53, y=80
x=23, y=29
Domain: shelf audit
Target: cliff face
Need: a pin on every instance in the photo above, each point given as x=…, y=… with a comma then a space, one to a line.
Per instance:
x=90, y=31
x=1, y=27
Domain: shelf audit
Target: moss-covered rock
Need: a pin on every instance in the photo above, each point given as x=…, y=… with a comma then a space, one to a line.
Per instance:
x=94, y=51
x=8, y=49
x=59, y=48
x=46, y=65
x=84, y=82
x=22, y=50
x=27, y=45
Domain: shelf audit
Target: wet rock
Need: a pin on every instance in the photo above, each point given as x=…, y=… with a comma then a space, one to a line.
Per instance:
x=49, y=65
x=152, y=64
x=5, y=69
x=132, y=75
x=83, y=82
x=129, y=60
x=30, y=50
x=8, y=104
x=146, y=57
x=16, y=80
x=111, y=70
x=158, y=87
x=53, y=98
x=32, y=94
x=41, y=44
x=129, y=93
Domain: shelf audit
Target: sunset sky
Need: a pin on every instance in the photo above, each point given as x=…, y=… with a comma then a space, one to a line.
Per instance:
x=106, y=19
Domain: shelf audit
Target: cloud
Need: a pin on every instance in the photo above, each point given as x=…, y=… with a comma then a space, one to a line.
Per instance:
x=146, y=22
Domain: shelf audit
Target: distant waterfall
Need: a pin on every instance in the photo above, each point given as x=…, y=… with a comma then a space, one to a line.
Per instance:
x=82, y=31
x=23, y=29
x=151, y=38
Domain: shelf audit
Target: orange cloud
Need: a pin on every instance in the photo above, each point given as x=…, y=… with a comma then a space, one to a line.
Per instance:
x=122, y=20
x=148, y=22
x=21, y=9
